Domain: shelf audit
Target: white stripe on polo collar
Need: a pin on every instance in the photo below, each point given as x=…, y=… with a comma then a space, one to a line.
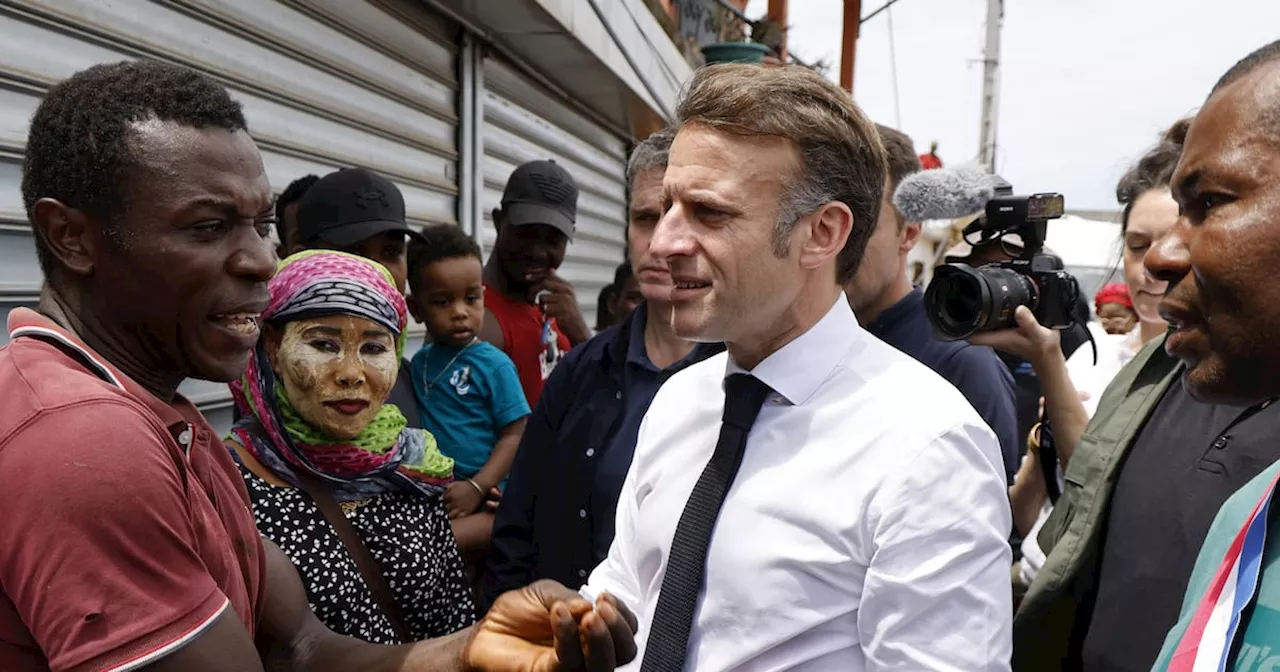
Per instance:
x=89, y=357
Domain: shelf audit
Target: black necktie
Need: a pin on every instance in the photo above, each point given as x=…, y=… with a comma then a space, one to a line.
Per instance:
x=669, y=630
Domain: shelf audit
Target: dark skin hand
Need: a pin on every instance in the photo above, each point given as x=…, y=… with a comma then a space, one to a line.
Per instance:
x=544, y=627
x=560, y=303
x=461, y=499
x=518, y=629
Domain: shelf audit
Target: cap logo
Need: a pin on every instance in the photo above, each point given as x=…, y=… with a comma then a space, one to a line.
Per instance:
x=364, y=199
x=554, y=191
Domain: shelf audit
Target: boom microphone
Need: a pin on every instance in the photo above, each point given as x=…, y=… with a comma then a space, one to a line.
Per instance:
x=945, y=193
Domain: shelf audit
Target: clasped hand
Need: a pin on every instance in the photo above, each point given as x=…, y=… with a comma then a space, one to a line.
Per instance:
x=546, y=627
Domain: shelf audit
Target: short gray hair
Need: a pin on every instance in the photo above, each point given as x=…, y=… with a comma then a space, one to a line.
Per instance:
x=650, y=154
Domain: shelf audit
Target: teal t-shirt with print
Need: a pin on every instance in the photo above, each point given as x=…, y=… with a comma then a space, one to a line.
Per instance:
x=466, y=396
x=1260, y=646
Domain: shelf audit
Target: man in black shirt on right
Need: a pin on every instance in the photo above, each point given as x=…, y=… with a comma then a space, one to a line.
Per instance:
x=1154, y=465
x=887, y=306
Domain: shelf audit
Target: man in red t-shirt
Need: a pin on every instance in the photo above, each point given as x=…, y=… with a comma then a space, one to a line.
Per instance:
x=531, y=313
x=127, y=537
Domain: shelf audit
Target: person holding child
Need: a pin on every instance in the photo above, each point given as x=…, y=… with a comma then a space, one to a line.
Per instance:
x=469, y=394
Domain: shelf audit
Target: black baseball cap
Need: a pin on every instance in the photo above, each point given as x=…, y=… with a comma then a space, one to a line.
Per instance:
x=348, y=206
x=541, y=192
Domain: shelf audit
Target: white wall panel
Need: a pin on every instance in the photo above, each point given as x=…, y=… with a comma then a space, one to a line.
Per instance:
x=522, y=122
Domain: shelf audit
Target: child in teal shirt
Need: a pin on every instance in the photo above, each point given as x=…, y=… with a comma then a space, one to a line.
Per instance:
x=468, y=392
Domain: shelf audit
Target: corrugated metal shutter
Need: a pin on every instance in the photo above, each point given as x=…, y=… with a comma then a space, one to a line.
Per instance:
x=325, y=84
x=523, y=122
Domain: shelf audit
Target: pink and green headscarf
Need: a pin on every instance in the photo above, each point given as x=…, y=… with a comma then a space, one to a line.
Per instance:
x=386, y=455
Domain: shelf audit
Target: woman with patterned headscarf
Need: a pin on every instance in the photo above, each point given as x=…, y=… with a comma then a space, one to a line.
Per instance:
x=349, y=493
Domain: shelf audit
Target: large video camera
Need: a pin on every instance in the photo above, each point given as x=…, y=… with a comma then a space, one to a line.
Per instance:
x=962, y=300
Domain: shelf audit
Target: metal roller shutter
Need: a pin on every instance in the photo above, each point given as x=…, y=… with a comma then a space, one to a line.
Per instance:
x=523, y=122
x=325, y=84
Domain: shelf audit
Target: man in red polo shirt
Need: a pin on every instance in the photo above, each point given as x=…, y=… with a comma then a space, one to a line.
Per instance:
x=531, y=313
x=126, y=531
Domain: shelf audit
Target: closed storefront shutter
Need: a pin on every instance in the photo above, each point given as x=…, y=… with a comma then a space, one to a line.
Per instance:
x=325, y=84
x=524, y=122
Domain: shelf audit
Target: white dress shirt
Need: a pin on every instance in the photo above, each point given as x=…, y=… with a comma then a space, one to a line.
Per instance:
x=867, y=528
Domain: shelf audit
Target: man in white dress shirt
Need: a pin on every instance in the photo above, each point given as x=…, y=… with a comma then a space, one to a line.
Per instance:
x=866, y=526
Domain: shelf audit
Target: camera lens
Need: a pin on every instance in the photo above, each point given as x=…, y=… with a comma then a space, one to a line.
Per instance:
x=962, y=300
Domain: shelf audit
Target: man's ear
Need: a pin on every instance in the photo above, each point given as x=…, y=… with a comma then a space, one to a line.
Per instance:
x=68, y=234
x=611, y=303
x=910, y=236
x=828, y=230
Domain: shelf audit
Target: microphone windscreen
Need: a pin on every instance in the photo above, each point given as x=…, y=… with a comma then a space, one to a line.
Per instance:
x=944, y=193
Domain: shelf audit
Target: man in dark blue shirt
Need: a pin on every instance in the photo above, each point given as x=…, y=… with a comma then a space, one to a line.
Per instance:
x=557, y=513
x=888, y=306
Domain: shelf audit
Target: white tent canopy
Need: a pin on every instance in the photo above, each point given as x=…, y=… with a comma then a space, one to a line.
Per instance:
x=1081, y=242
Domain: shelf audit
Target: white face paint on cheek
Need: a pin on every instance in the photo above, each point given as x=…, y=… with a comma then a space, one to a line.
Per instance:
x=301, y=369
x=384, y=366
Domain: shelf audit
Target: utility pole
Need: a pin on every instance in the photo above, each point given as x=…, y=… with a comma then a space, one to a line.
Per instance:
x=990, y=85
x=849, y=42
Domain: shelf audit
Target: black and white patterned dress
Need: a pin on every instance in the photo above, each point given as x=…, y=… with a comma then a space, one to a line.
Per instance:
x=408, y=535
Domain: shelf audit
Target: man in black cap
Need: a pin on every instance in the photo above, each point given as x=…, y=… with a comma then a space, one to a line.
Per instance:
x=531, y=313
x=360, y=212
x=357, y=211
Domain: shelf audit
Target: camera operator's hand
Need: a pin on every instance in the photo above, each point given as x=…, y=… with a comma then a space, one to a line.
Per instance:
x=1029, y=340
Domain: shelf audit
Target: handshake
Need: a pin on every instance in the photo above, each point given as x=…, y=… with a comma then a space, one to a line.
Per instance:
x=546, y=627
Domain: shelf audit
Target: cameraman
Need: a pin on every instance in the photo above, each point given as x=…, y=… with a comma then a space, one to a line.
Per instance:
x=1027, y=383
x=882, y=297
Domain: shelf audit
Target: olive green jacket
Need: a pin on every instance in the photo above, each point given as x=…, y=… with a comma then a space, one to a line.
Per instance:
x=1051, y=621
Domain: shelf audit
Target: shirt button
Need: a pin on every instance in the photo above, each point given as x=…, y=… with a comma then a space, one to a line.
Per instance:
x=582, y=573
x=591, y=452
x=617, y=395
x=582, y=513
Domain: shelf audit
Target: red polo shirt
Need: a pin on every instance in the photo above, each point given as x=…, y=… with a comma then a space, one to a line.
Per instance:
x=125, y=529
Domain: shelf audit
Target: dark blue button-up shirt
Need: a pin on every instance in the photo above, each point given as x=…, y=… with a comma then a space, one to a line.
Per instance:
x=557, y=514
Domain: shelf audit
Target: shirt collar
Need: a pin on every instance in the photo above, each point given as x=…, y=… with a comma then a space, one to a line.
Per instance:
x=797, y=369
x=27, y=322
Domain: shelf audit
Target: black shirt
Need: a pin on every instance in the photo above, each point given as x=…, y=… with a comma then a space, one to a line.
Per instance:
x=974, y=370
x=1184, y=464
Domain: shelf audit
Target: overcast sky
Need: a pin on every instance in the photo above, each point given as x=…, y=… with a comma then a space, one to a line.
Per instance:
x=1085, y=87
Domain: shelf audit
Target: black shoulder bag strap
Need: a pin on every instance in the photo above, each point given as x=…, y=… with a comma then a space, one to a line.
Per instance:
x=359, y=553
